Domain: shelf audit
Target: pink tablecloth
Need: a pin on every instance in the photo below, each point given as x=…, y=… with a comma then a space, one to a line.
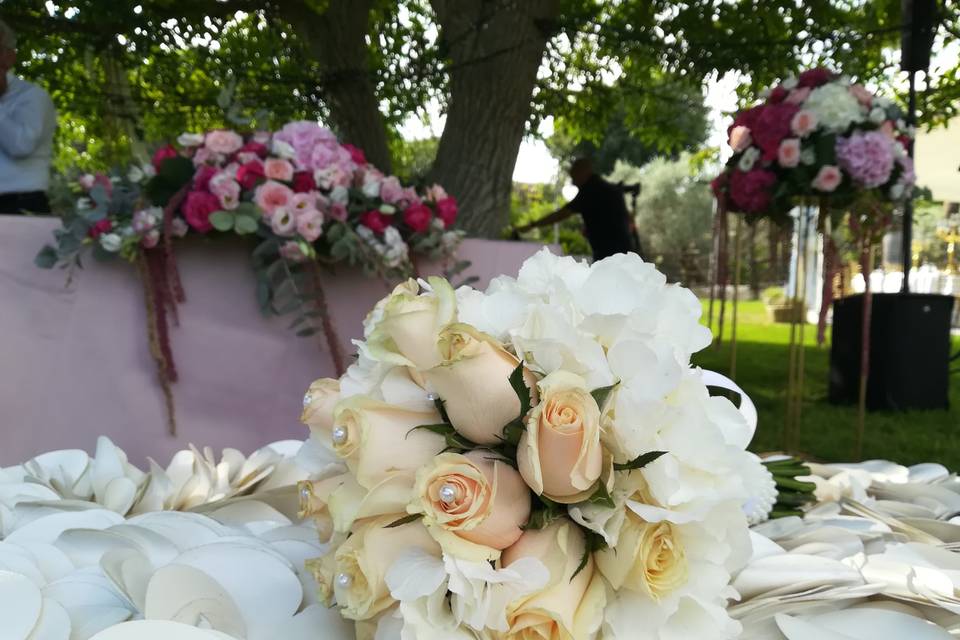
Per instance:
x=74, y=362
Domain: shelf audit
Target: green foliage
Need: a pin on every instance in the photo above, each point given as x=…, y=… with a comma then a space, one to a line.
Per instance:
x=413, y=159
x=674, y=212
x=529, y=202
x=640, y=461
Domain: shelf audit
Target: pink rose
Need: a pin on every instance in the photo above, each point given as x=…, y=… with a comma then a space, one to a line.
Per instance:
x=410, y=196
x=338, y=212
x=291, y=251
x=203, y=156
x=447, y=211
x=151, y=240
x=278, y=169
x=803, y=123
x=303, y=182
x=828, y=178
x=418, y=217
x=203, y=176
x=815, y=77
x=89, y=181
x=310, y=225
x=226, y=189
x=888, y=129
x=798, y=96
x=100, y=228
x=145, y=220
x=179, y=227
x=863, y=96
x=435, y=193
x=391, y=191
x=375, y=221
x=283, y=222
x=223, y=141
x=162, y=154
x=244, y=157
x=86, y=181
x=740, y=138
x=271, y=196
x=752, y=191
x=789, y=153
x=250, y=173
x=356, y=154
x=197, y=209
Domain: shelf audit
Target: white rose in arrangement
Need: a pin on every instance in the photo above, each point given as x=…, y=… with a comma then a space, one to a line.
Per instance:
x=111, y=242
x=748, y=159
x=538, y=460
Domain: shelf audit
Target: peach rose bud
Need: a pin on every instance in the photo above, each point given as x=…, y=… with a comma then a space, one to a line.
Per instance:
x=559, y=455
x=474, y=381
x=472, y=504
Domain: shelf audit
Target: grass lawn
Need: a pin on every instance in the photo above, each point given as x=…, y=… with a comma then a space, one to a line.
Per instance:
x=827, y=431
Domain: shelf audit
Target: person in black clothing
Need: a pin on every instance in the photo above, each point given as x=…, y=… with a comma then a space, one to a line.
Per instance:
x=606, y=222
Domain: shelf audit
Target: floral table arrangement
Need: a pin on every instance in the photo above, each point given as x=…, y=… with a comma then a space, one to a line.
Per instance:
x=535, y=461
x=817, y=141
x=311, y=201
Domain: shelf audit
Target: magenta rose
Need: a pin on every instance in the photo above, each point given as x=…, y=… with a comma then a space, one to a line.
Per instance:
x=162, y=154
x=752, y=191
x=719, y=185
x=356, y=154
x=250, y=174
x=257, y=148
x=303, y=182
x=375, y=221
x=418, y=217
x=447, y=211
x=203, y=176
x=197, y=209
x=778, y=94
x=100, y=228
x=772, y=126
x=814, y=77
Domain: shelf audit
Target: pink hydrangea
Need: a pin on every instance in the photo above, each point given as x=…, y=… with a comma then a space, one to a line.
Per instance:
x=162, y=154
x=375, y=221
x=827, y=179
x=223, y=141
x=272, y=195
x=310, y=225
x=866, y=157
x=303, y=136
x=197, y=209
x=447, y=211
x=278, y=169
x=752, y=191
x=417, y=217
x=788, y=155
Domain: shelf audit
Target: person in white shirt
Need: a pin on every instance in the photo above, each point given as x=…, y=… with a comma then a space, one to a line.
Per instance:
x=27, y=124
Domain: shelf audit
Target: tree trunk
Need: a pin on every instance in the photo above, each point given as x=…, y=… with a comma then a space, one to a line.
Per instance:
x=495, y=51
x=337, y=40
x=773, y=246
x=754, y=267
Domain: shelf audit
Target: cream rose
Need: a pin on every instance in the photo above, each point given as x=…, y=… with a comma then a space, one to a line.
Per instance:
x=378, y=440
x=474, y=382
x=571, y=606
x=472, y=504
x=409, y=324
x=354, y=574
x=560, y=455
x=648, y=558
x=318, y=405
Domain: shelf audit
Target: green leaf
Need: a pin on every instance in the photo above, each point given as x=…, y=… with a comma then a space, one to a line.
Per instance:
x=601, y=497
x=640, y=461
x=222, y=220
x=441, y=408
x=453, y=439
x=305, y=333
x=297, y=322
x=601, y=395
x=595, y=542
x=544, y=513
x=265, y=249
x=413, y=517
x=520, y=388
x=174, y=173
x=513, y=432
x=46, y=258
x=245, y=225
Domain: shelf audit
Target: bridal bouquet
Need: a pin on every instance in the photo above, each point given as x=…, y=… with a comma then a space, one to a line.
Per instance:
x=816, y=135
x=534, y=461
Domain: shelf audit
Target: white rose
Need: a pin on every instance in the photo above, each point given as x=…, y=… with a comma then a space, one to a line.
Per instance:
x=896, y=191
x=877, y=115
x=111, y=242
x=190, y=139
x=340, y=195
x=790, y=83
x=371, y=188
x=748, y=159
x=283, y=149
x=135, y=174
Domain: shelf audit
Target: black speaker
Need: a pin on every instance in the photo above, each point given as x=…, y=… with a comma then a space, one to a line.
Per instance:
x=919, y=19
x=909, y=351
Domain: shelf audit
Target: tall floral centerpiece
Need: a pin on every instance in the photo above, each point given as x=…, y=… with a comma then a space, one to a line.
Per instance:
x=311, y=201
x=821, y=142
x=538, y=460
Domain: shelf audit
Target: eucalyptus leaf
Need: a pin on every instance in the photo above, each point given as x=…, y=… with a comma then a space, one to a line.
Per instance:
x=640, y=461
x=222, y=220
x=46, y=258
x=245, y=225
